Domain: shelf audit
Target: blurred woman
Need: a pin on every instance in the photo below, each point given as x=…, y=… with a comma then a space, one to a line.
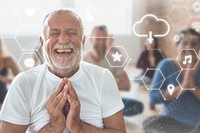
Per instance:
x=149, y=58
x=181, y=103
x=6, y=63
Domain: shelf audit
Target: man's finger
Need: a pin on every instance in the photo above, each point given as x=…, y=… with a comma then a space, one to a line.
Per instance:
x=57, y=99
x=72, y=91
x=74, y=104
x=65, y=80
x=61, y=104
x=58, y=90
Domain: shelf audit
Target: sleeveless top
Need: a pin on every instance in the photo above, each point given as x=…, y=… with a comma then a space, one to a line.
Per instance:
x=3, y=87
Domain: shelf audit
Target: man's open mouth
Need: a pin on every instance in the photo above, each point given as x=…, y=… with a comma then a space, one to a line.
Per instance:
x=64, y=51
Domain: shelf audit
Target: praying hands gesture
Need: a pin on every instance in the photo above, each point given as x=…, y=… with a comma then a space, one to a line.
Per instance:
x=64, y=109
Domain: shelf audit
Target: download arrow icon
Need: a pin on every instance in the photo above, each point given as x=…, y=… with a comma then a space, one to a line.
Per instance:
x=150, y=38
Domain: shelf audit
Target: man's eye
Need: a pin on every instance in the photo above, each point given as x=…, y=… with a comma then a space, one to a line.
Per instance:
x=72, y=33
x=54, y=34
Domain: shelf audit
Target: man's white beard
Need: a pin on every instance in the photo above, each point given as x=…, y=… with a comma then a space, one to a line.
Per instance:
x=63, y=67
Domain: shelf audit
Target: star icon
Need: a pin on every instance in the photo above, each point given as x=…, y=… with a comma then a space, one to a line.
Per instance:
x=117, y=57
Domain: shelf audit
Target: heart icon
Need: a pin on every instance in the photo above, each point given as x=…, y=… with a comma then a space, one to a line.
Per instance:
x=30, y=11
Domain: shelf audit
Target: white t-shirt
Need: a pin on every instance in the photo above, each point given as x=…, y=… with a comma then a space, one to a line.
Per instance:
x=30, y=90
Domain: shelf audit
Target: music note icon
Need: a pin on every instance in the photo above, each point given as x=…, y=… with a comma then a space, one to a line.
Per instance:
x=188, y=59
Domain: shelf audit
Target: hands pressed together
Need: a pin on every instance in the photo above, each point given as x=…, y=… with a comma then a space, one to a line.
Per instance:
x=64, y=108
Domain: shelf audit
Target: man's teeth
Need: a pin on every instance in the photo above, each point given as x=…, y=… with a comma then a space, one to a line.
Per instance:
x=63, y=50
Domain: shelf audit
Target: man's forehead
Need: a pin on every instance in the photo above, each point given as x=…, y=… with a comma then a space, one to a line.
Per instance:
x=62, y=19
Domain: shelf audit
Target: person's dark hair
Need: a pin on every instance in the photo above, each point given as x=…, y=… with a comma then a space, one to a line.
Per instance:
x=101, y=28
x=155, y=40
x=187, y=31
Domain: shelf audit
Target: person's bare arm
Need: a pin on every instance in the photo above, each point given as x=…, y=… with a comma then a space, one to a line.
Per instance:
x=112, y=124
x=10, y=64
x=6, y=127
x=123, y=82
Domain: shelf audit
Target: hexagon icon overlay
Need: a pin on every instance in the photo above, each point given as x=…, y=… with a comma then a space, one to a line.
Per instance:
x=28, y=60
x=116, y=56
x=190, y=60
x=152, y=86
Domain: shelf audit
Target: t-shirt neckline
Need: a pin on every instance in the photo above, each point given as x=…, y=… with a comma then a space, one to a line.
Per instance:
x=74, y=77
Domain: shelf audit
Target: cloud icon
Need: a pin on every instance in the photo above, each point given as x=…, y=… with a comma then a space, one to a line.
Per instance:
x=150, y=32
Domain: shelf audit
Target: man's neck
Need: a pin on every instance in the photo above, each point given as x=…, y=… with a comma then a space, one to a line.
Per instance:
x=62, y=73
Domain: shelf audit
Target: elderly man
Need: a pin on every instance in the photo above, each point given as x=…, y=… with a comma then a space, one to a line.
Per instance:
x=65, y=94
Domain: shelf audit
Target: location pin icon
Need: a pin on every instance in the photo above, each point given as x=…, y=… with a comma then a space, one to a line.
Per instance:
x=170, y=88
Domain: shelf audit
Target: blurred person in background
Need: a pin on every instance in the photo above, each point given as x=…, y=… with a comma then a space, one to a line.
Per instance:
x=110, y=44
x=149, y=58
x=6, y=63
x=180, y=112
x=99, y=42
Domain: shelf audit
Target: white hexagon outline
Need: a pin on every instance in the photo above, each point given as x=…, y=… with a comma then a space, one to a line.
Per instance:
x=181, y=86
x=182, y=5
x=170, y=76
x=33, y=53
x=41, y=56
x=128, y=73
x=166, y=78
x=171, y=11
x=159, y=52
x=125, y=68
x=15, y=12
x=22, y=49
x=180, y=64
x=155, y=69
x=194, y=15
x=127, y=56
x=18, y=20
x=176, y=80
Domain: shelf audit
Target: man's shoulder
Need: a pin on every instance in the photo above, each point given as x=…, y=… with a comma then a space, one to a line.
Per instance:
x=93, y=69
x=30, y=74
x=90, y=66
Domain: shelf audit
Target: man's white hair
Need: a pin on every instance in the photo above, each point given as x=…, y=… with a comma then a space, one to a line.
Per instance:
x=62, y=11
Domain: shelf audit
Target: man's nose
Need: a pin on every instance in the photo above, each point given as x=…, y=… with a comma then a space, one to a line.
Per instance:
x=63, y=38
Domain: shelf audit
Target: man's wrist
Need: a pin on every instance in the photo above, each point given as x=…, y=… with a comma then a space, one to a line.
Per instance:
x=78, y=128
x=53, y=129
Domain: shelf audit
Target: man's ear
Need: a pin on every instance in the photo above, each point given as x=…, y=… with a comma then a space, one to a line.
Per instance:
x=41, y=41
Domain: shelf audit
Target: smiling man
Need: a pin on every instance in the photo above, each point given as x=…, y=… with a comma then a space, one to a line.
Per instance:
x=65, y=94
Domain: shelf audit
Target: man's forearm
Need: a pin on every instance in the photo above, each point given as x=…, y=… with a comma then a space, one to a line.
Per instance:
x=87, y=128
